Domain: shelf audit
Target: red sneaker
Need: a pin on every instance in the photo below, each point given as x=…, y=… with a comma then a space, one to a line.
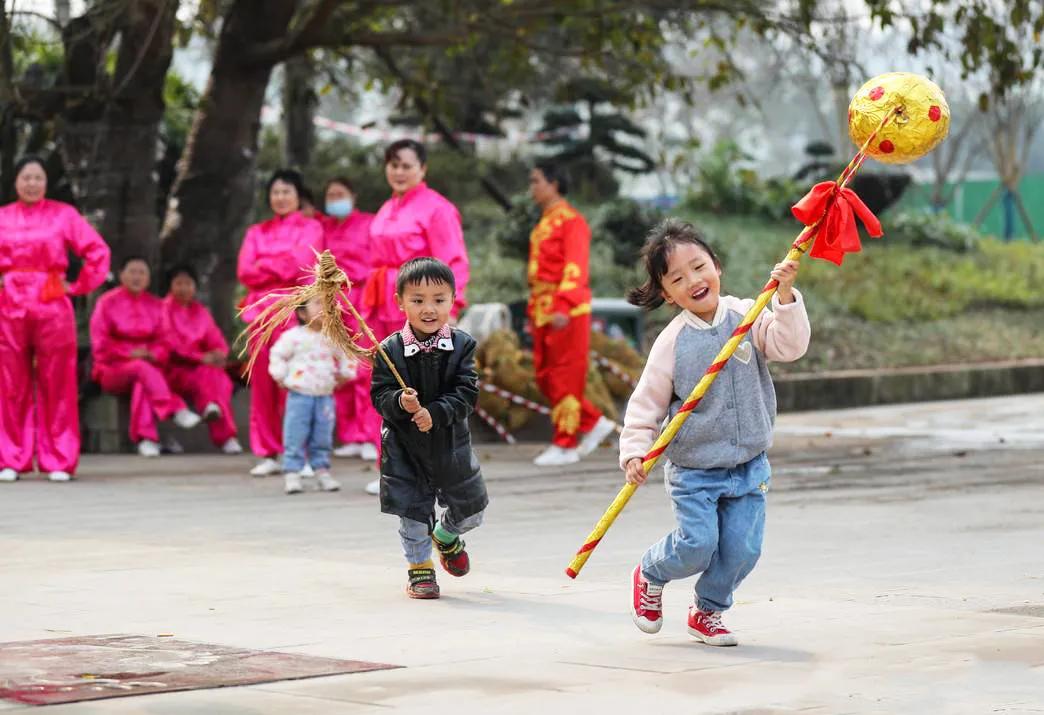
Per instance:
x=453, y=557
x=422, y=584
x=707, y=626
x=646, y=603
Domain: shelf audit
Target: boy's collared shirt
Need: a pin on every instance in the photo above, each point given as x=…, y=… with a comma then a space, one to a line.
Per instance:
x=442, y=340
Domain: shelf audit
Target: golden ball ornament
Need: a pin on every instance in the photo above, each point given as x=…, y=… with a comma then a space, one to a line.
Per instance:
x=921, y=122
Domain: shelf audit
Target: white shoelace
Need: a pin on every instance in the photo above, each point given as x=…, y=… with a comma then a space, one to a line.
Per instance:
x=651, y=598
x=713, y=620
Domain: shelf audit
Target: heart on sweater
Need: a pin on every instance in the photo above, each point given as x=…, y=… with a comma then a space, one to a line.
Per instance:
x=744, y=352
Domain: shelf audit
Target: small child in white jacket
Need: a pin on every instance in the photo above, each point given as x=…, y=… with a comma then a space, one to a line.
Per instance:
x=310, y=368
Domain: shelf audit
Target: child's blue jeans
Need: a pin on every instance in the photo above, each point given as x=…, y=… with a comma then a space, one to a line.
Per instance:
x=721, y=521
x=308, y=426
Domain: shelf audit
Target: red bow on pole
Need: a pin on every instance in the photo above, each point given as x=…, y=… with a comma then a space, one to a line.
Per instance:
x=838, y=233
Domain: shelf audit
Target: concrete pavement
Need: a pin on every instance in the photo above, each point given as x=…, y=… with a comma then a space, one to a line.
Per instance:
x=902, y=572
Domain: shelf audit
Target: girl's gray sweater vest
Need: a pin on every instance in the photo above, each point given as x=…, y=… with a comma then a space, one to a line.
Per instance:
x=733, y=422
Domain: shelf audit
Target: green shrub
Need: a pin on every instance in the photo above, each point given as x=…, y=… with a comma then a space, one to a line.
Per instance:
x=925, y=229
x=727, y=187
x=623, y=225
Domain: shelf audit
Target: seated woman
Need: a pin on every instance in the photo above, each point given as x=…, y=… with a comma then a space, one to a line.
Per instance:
x=129, y=351
x=198, y=352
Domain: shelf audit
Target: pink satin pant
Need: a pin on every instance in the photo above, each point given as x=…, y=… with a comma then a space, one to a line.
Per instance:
x=151, y=397
x=203, y=384
x=38, y=391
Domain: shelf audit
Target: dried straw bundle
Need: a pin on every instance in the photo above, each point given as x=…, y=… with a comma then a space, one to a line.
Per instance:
x=331, y=286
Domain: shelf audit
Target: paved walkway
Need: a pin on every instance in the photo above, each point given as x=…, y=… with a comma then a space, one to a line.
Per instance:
x=902, y=573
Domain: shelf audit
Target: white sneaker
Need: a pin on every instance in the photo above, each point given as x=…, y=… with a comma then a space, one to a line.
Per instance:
x=148, y=448
x=186, y=419
x=368, y=452
x=60, y=476
x=308, y=471
x=374, y=487
x=8, y=475
x=555, y=456
x=602, y=429
x=211, y=412
x=266, y=468
x=347, y=451
x=232, y=446
x=326, y=482
x=292, y=480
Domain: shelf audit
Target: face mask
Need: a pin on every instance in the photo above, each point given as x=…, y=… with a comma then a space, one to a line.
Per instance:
x=339, y=208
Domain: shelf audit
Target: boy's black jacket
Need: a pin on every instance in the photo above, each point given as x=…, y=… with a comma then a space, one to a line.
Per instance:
x=417, y=467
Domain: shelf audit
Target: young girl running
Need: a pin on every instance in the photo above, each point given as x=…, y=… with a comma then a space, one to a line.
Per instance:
x=716, y=471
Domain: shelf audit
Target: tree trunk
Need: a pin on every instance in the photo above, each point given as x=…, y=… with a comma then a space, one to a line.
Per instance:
x=110, y=148
x=8, y=134
x=299, y=104
x=212, y=197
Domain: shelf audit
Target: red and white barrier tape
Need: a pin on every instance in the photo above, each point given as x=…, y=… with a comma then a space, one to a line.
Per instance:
x=513, y=398
x=497, y=427
x=612, y=367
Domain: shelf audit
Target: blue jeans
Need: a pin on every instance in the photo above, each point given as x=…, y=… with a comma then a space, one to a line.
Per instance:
x=721, y=522
x=307, y=426
x=416, y=536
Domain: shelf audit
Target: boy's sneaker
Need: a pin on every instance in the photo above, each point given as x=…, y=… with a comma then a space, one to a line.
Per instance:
x=707, y=626
x=232, y=446
x=326, y=481
x=211, y=412
x=453, y=557
x=8, y=475
x=646, y=603
x=293, y=483
x=373, y=488
x=422, y=584
x=59, y=476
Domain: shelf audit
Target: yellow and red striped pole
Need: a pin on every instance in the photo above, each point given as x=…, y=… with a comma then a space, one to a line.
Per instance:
x=801, y=244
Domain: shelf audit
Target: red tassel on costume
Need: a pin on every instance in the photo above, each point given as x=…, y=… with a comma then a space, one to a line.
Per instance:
x=838, y=233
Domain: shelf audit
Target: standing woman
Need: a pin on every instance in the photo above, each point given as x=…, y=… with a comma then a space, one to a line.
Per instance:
x=37, y=327
x=347, y=236
x=272, y=257
x=415, y=222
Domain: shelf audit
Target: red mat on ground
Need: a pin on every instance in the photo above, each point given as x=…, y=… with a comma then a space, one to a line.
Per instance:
x=67, y=670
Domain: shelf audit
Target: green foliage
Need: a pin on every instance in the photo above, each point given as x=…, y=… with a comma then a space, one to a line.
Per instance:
x=726, y=186
x=918, y=228
x=623, y=225
x=598, y=141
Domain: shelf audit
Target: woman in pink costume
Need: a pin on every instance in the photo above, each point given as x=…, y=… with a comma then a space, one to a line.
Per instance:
x=131, y=349
x=275, y=255
x=347, y=233
x=198, y=351
x=37, y=327
x=416, y=221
